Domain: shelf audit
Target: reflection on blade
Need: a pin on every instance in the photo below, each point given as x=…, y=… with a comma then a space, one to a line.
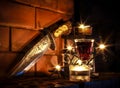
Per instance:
x=32, y=56
x=35, y=52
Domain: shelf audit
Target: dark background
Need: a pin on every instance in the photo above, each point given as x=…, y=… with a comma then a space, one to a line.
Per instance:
x=103, y=16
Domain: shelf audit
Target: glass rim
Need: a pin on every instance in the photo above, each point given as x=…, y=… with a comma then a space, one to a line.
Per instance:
x=84, y=40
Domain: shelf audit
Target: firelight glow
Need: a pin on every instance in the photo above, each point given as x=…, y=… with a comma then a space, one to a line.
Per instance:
x=82, y=26
x=79, y=62
x=58, y=67
x=92, y=40
x=69, y=47
x=102, y=46
x=80, y=68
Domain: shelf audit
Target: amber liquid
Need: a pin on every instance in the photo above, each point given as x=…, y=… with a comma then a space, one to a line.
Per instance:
x=84, y=49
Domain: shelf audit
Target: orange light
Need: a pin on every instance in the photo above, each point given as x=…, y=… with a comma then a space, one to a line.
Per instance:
x=102, y=46
x=85, y=29
x=58, y=67
x=69, y=48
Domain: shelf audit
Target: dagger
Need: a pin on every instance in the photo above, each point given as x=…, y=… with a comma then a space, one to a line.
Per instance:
x=33, y=55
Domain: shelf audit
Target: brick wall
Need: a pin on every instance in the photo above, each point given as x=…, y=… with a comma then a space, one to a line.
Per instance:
x=20, y=22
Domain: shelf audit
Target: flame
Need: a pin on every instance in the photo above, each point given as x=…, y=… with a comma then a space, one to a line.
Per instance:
x=79, y=68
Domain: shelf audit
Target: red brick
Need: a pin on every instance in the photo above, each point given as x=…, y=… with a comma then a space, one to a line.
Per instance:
x=13, y=14
x=46, y=63
x=50, y=4
x=45, y=18
x=21, y=37
x=35, y=3
x=5, y=60
x=58, y=45
x=4, y=39
x=66, y=6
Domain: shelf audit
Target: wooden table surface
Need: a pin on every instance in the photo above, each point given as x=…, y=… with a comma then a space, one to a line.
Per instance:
x=51, y=82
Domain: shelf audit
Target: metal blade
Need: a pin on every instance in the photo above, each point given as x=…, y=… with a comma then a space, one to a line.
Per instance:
x=32, y=56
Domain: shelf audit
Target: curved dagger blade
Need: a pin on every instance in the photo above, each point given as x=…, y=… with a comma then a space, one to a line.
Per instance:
x=32, y=56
